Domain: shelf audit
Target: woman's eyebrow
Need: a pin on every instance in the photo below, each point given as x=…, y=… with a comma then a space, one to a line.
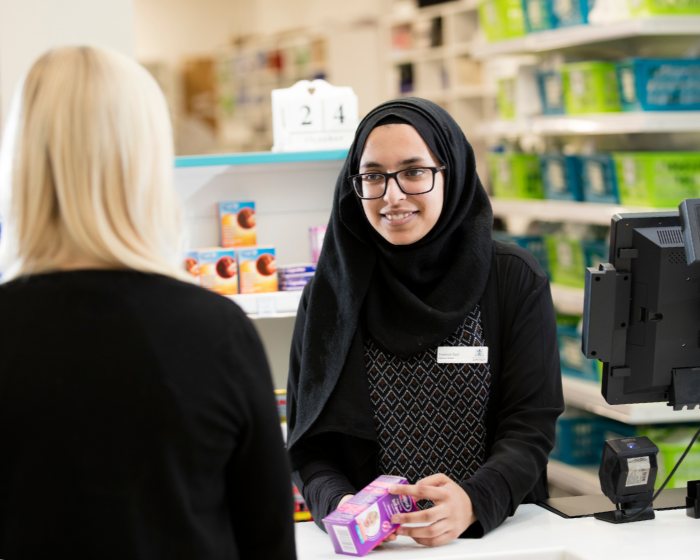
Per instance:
x=409, y=161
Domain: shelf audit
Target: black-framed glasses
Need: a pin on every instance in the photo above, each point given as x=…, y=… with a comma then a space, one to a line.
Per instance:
x=415, y=180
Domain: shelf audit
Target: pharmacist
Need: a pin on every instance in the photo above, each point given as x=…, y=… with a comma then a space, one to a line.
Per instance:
x=422, y=348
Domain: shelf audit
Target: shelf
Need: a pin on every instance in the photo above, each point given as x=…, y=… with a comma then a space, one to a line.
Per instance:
x=273, y=305
x=606, y=123
x=586, y=396
x=579, y=481
x=556, y=39
x=564, y=211
x=257, y=158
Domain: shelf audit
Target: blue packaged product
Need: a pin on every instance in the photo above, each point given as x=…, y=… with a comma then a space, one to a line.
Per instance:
x=596, y=253
x=551, y=92
x=297, y=269
x=598, y=179
x=537, y=246
x=648, y=84
x=541, y=15
x=561, y=176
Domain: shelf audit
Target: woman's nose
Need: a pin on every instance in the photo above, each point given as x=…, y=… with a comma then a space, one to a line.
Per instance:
x=393, y=193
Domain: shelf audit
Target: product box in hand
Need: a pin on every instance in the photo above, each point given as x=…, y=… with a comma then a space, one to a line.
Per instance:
x=237, y=221
x=364, y=520
x=191, y=263
x=590, y=87
x=648, y=84
x=258, y=270
x=218, y=270
x=316, y=237
x=657, y=179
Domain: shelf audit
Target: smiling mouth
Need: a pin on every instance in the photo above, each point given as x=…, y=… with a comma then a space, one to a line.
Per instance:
x=398, y=216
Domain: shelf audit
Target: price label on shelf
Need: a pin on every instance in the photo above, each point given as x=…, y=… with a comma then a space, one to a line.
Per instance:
x=267, y=307
x=313, y=116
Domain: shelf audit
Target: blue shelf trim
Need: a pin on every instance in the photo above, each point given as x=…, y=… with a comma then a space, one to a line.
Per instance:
x=258, y=158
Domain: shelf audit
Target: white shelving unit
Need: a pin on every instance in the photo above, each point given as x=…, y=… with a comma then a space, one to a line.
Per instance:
x=587, y=125
x=586, y=395
x=586, y=34
x=581, y=480
x=275, y=305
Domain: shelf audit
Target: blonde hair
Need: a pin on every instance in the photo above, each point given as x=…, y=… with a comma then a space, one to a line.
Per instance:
x=86, y=168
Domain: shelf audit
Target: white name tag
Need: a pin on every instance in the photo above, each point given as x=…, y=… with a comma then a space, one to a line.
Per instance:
x=463, y=354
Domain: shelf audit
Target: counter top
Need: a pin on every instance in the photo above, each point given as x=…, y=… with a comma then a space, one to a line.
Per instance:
x=536, y=534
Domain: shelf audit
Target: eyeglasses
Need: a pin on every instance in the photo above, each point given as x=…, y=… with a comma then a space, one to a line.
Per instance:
x=416, y=180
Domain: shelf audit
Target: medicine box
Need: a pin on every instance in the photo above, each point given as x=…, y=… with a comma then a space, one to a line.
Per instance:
x=573, y=362
x=502, y=19
x=590, y=87
x=238, y=222
x=515, y=175
x=645, y=8
x=541, y=15
x=566, y=264
x=659, y=84
x=258, y=270
x=551, y=92
x=672, y=442
x=363, y=522
x=191, y=263
x=657, y=179
x=218, y=270
x=506, y=98
x=598, y=179
x=561, y=177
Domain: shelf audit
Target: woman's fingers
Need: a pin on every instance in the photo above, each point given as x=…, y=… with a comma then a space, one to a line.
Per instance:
x=437, y=541
x=425, y=516
x=430, y=532
x=434, y=480
x=422, y=492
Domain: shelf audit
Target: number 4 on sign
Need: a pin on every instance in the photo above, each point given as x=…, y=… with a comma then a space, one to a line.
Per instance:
x=340, y=113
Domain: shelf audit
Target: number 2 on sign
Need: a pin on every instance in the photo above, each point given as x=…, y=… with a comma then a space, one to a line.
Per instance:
x=305, y=119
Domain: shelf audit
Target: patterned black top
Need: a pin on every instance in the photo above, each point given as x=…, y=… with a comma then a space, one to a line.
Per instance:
x=430, y=417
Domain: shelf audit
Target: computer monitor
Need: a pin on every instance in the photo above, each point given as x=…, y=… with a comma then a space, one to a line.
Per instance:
x=642, y=309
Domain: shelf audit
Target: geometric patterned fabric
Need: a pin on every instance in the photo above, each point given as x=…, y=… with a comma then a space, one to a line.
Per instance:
x=430, y=417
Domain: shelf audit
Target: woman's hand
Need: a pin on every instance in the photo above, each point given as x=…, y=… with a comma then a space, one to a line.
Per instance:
x=449, y=518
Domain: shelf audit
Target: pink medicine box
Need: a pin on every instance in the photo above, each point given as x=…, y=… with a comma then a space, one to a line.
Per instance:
x=364, y=521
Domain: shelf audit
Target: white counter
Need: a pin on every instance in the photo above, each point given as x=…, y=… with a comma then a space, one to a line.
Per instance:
x=536, y=534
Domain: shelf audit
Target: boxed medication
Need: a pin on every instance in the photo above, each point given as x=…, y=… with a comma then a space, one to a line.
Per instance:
x=646, y=8
x=515, y=175
x=598, y=179
x=590, y=87
x=561, y=176
x=218, y=270
x=364, y=521
x=191, y=263
x=502, y=19
x=551, y=92
x=258, y=270
x=237, y=221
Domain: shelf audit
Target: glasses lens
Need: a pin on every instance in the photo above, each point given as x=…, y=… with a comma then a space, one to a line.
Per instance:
x=417, y=180
x=369, y=185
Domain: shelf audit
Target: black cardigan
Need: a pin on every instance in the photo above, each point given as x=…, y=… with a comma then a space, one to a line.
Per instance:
x=137, y=420
x=338, y=455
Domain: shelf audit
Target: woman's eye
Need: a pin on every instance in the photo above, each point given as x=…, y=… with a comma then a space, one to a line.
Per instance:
x=414, y=172
x=373, y=177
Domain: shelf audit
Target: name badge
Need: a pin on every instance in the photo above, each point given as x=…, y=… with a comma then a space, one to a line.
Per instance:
x=463, y=354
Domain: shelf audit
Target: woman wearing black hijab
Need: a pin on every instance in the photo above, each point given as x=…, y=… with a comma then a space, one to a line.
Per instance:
x=408, y=272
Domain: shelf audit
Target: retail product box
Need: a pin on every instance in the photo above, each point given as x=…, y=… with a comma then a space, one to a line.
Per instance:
x=595, y=253
x=316, y=237
x=502, y=19
x=576, y=439
x=566, y=265
x=295, y=276
x=191, y=263
x=237, y=221
x=646, y=8
x=657, y=179
x=561, y=177
x=541, y=15
x=672, y=442
x=506, y=98
x=258, y=270
x=538, y=15
x=364, y=520
x=218, y=270
x=551, y=92
x=573, y=362
x=281, y=398
x=659, y=84
x=598, y=179
x=515, y=175
x=590, y=87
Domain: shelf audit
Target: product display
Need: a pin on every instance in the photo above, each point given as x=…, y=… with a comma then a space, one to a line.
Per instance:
x=659, y=84
x=515, y=175
x=672, y=441
x=218, y=270
x=238, y=222
x=502, y=19
x=316, y=235
x=295, y=276
x=364, y=520
x=258, y=270
x=590, y=87
x=191, y=263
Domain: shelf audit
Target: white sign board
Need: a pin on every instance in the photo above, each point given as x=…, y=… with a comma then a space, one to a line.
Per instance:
x=313, y=116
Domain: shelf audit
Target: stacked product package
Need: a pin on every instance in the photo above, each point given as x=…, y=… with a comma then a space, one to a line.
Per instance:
x=294, y=277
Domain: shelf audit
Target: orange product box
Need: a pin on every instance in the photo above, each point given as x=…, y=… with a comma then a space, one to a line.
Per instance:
x=218, y=270
x=237, y=221
x=191, y=263
x=258, y=270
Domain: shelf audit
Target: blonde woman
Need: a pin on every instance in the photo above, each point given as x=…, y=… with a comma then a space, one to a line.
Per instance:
x=137, y=417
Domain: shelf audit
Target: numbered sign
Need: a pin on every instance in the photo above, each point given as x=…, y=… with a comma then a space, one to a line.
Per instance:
x=313, y=116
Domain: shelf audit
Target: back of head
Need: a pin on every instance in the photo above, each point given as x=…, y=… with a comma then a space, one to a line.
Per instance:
x=86, y=168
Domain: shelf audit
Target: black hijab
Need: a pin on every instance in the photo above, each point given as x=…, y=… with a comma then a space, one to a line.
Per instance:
x=412, y=297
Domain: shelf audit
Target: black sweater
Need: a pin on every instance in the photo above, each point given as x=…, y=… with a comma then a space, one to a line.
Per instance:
x=137, y=420
x=335, y=457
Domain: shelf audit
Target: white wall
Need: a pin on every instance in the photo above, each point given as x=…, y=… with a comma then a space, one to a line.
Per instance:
x=30, y=27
